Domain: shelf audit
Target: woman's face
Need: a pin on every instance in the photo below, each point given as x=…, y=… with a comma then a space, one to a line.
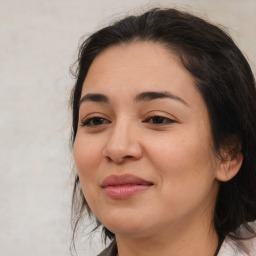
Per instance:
x=143, y=148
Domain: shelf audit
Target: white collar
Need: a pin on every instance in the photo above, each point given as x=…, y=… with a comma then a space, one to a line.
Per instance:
x=231, y=248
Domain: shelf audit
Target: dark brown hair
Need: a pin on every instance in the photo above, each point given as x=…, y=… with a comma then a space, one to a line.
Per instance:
x=225, y=81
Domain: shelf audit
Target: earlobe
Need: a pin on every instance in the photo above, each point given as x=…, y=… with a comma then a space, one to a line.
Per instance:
x=229, y=167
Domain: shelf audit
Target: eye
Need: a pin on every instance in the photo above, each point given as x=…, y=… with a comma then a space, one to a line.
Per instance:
x=95, y=121
x=159, y=120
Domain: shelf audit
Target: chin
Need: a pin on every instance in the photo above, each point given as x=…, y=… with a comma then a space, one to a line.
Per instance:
x=124, y=224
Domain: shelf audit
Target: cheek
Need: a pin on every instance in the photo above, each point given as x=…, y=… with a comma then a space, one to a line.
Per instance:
x=183, y=161
x=87, y=156
x=186, y=176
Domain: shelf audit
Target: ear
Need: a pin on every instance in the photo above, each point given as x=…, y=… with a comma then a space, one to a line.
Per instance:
x=229, y=166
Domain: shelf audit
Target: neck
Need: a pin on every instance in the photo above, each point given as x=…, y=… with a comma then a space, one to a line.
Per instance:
x=192, y=240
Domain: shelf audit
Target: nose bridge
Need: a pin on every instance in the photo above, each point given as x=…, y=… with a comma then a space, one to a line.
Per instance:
x=123, y=141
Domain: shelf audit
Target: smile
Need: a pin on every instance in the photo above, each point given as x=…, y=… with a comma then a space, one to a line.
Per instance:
x=124, y=186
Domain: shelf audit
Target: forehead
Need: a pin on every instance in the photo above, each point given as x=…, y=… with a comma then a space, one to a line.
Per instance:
x=134, y=59
x=138, y=67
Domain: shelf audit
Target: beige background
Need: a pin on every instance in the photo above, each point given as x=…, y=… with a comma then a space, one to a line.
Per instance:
x=38, y=43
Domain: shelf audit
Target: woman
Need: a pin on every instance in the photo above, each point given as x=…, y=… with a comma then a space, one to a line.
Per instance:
x=164, y=137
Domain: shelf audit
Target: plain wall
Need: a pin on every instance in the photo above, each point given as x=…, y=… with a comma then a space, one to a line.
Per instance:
x=38, y=43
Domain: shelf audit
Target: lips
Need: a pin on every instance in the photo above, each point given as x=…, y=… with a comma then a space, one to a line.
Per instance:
x=124, y=186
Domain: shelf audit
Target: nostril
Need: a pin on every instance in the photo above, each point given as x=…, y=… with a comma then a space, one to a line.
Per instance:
x=118, y=158
x=118, y=153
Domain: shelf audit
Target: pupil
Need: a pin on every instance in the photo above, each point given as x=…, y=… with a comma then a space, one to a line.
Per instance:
x=97, y=121
x=157, y=119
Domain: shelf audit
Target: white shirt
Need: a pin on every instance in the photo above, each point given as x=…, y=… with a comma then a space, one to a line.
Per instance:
x=231, y=248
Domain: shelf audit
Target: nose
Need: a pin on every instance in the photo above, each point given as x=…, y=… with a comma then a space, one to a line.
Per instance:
x=123, y=144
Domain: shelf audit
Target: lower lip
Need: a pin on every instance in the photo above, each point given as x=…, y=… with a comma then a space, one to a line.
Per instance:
x=124, y=192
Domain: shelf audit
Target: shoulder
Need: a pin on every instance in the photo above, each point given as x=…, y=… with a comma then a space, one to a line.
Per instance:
x=238, y=248
x=229, y=248
x=111, y=250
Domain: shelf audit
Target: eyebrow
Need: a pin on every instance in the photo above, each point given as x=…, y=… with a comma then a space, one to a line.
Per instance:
x=96, y=97
x=144, y=96
x=148, y=96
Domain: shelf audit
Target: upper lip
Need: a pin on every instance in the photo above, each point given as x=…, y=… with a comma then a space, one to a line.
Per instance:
x=121, y=180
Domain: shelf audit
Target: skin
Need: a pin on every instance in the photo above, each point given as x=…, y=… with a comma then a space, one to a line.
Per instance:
x=174, y=152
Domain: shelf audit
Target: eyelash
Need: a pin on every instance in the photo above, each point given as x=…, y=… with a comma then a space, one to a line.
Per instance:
x=87, y=122
x=165, y=120
x=155, y=120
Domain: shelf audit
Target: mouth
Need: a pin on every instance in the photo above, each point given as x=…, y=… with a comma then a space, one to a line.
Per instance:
x=124, y=186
